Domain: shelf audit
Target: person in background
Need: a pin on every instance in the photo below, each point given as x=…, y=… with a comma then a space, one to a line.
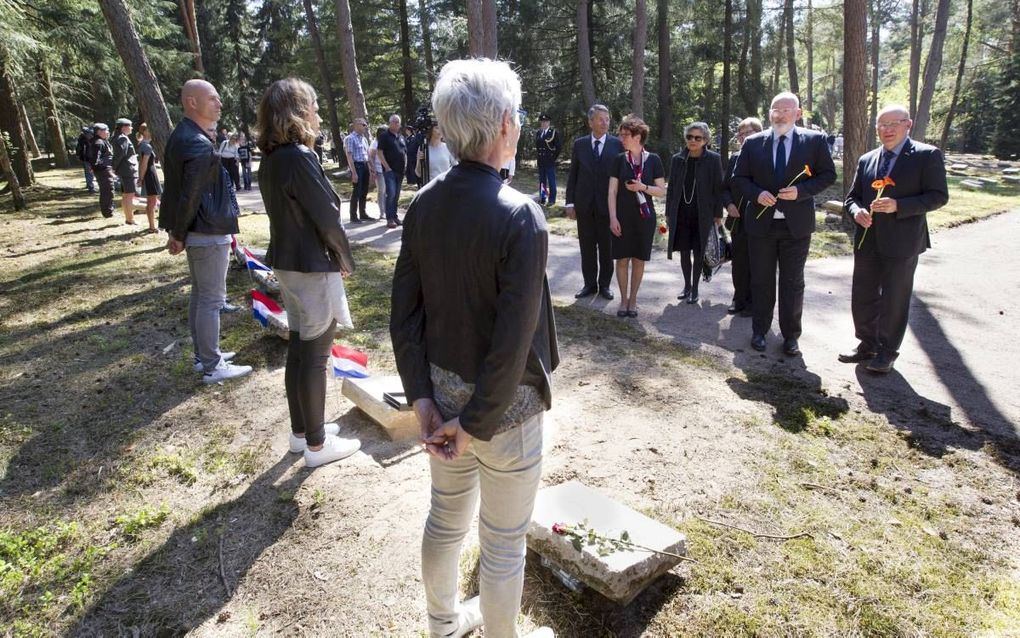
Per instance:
x=475, y=344
x=548, y=145
x=125, y=167
x=636, y=178
x=736, y=206
x=101, y=156
x=82, y=151
x=393, y=149
x=439, y=156
x=376, y=166
x=310, y=255
x=148, y=179
x=244, y=153
x=509, y=170
x=228, y=155
x=356, y=150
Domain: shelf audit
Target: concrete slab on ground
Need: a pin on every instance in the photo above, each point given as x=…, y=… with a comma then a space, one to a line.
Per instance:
x=367, y=395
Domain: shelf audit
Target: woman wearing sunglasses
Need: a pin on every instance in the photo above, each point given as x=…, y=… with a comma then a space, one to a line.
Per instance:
x=693, y=204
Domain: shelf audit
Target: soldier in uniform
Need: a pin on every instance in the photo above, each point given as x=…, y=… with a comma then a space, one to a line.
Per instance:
x=548, y=146
x=102, y=166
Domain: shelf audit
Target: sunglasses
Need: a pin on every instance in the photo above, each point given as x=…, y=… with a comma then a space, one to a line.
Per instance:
x=694, y=138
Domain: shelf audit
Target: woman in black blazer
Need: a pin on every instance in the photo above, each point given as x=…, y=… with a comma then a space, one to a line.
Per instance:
x=693, y=204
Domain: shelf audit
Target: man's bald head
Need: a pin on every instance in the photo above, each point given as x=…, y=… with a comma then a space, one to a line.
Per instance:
x=201, y=102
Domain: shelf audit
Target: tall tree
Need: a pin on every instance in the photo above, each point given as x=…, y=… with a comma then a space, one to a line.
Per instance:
x=809, y=46
x=11, y=122
x=481, y=20
x=53, y=127
x=640, y=40
x=146, y=87
x=874, y=15
x=932, y=66
x=791, y=53
x=1006, y=139
x=754, y=93
x=12, y=178
x=918, y=10
x=405, y=60
x=425, y=17
x=349, y=60
x=855, y=88
x=774, y=87
x=33, y=145
x=490, y=19
x=665, y=75
x=327, y=77
x=951, y=113
x=584, y=52
x=724, y=119
x=189, y=19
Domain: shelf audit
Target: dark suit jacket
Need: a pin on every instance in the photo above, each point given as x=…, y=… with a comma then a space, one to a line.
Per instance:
x=708, y=184
x=920, y=177
x=753, y=174
x=588, y=181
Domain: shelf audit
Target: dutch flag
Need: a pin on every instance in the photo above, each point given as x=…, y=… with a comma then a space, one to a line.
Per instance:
x=253, y=263
x=348, y=362
x=262, y=307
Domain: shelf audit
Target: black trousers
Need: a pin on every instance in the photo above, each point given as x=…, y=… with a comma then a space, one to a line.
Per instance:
x=596, y=254
x=740, y=265
x=305, y=382
x=105, y=178
x=778, y=248
x=880, y=300
x=359, y=194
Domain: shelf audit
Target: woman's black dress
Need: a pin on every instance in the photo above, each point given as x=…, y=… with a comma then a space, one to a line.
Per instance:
x=687, y=235
x=637, y=233
x=150, y=181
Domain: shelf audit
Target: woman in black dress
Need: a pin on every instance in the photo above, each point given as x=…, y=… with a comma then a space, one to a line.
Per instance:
x=148, y=180
x=693, y=204
x=631, y=213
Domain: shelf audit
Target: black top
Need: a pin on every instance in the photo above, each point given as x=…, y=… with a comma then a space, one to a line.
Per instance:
x=470, y=294
x=636, y=232
x=394, y=149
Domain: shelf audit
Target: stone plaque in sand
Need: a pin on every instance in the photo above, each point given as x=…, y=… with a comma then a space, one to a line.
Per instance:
x=620, y=575
x=367, y=394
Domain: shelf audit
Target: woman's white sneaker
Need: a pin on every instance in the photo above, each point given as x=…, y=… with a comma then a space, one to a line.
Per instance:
x=224, y=356
x=298, y=444
x=224, y=371
x=333, y=449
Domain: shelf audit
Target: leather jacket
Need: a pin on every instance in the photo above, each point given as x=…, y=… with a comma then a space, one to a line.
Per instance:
x=470, y=294
x=305, y=234
x=197, y=195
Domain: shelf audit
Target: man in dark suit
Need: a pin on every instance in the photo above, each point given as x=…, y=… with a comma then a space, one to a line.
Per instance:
x=780, y=171
x=892, y=230
x=736, y=206
x=588, y=201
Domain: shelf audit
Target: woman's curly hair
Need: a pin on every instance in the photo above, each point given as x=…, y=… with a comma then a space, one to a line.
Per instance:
x=283, y=114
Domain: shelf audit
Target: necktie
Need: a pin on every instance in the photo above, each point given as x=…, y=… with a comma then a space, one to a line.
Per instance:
x=780, y=167
x=883, y=170
x=597, y=144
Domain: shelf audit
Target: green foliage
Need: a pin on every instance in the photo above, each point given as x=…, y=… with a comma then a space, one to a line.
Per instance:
x=132, y=525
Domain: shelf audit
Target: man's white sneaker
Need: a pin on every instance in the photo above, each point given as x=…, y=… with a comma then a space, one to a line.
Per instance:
x=298, y=444
x=224, y=371
x=542, y=632
x=224, y=356
x=470, y=617
x=333, y=449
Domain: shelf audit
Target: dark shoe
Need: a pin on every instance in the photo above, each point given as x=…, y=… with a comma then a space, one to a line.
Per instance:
x=859, y=354
x=399, y=223
x=734, y=309
x=606, y=293
x=790, y=348
x=632, y=313
x=882, y=363
x=391, y=225
x=708, y=277
x=685, y=294
x=758, y=343
x=747, y=312
x=587, y=291
x=622, y=313
x=366, y=218
x=693, y=297
x=355, y=220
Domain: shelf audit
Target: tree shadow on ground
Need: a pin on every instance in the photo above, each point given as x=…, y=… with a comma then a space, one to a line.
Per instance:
x=587, y=614
x=194, y=573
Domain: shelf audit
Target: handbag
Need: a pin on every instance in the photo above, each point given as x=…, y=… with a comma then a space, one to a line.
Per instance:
x=718, y=248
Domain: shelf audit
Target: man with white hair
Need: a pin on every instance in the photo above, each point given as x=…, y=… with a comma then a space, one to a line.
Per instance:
x=779, y=171
x=475, y=343
x=894, y=187
x=393, y=155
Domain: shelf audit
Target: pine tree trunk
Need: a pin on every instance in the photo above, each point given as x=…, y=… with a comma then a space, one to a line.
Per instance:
x=707, y=102
x=917, y=13
x=426, y=39
x=809, y=44
x=876, y=42
x=489, y=22
x=33, y=145
x=745, y=47
x=405, y=61
x=724, y=117
x=944, y=140
x=791, y=54
x=932, y=67
x=640, y=40
x=190, y=20
x=143, y=79
x=481, y=18
x=11, y=123
x=665, y=75
x=584, y=52
x=855, y=88
x=349, y=60
x=11, y=176
x=774, y=88
x=754, y=97
x=53, y=127
x=327, y=85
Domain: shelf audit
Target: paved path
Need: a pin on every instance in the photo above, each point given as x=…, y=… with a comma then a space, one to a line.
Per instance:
x=956, y=363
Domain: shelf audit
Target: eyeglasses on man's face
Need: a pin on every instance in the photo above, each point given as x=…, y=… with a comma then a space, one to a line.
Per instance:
x=694, y=138
x=783, y=111
x=891, y=125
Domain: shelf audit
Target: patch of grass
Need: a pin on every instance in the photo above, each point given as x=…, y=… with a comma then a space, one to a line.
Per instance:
x=175, y=465
x=468, y=565
x=133, y=524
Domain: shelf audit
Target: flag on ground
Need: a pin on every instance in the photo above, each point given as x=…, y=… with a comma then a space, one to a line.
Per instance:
x=262, y=307
x=253, y=263
x=348, y=362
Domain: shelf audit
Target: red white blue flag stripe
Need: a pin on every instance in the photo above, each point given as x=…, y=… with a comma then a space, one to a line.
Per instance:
x=348, y=362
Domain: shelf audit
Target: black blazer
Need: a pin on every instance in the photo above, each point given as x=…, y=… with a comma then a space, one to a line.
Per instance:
x=920, y=177
x=588, y=181
x=753, y=174
x=708, y=184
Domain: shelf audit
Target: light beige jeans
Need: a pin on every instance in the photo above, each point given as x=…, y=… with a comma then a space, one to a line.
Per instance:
x=505, y=472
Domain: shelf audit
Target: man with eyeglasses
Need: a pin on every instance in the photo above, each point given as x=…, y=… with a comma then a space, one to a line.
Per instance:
x=780, y=171
x=892, y=230
x=736, y=206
